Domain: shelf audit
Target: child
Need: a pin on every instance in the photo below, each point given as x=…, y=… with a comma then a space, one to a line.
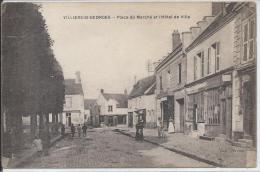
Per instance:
x=37, y=143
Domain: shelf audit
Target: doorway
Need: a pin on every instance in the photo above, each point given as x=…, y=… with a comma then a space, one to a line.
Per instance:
x=181, y=111
x=195, y=117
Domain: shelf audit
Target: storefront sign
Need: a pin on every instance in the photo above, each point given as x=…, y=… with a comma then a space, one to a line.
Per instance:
x=163, y=99
x=226, y=78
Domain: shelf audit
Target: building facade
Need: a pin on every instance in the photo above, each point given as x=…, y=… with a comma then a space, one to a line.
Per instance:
x=141, y=102
x=244, y=74
x=73, y=111
x=170, y=80
x=113, y=108
x=213, y=86
x=91, y=112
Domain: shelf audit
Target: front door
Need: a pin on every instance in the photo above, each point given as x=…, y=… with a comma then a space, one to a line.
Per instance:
x=195, y=117
x=229, y=118
x=181, y=106
x=130, y=119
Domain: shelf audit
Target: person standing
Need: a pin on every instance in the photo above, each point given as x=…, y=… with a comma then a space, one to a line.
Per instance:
x=160, y=127
x=72, y=128
x=79, y=130
x=62, y=129
x=37, y=143
x=84, y=128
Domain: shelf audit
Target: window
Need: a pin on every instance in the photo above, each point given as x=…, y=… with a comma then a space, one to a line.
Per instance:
x=160, y=82
x=195, y=68
x=179, y=72
x=209, y=61
x=248, y=39
x=68, y=102
x=216, y=53
x=110, y=108
x=201, y=57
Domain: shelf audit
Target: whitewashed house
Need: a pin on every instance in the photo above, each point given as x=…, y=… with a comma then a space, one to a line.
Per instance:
x=141, y=102
x=113, y=108
x=73, y=112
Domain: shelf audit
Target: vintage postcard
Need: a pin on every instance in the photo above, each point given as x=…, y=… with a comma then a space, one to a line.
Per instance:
x=128, y=85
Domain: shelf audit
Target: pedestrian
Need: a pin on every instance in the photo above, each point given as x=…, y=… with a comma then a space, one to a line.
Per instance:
x=160, y=128
x=79, y=130
x=84, y=128
x=72, y=128
x=37, y=143
x=139, y=129
x=62, y=129
x=7, y=148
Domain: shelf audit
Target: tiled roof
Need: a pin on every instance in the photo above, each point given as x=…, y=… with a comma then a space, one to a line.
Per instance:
x=120, y=98
x=142, y=86
x=73, y=88
x=89, y=103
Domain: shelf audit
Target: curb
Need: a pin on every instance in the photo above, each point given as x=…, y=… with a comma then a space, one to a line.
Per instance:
x=33, y=154
x=192, y=156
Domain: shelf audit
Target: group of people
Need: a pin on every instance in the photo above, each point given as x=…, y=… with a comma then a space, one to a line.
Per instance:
x=79, y=130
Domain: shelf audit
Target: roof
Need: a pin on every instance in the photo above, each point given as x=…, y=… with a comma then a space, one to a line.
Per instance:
x=120, y=98
x=143, y=85
x=172, y=55
x=89, y=103
x=72, y=88
x=218, y=22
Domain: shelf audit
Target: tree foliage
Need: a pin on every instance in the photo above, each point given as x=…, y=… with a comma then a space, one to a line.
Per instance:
x=32, y=79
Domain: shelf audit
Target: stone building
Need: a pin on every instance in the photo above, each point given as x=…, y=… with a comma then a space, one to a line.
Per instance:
x=73, y=111
x=216, y=70
x=113, y=108
x=244, y=74
x=170, y=81
x=141, y=102
x=91, y=112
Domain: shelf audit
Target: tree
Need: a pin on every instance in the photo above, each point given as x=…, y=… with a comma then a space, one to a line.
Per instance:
x=32, y=79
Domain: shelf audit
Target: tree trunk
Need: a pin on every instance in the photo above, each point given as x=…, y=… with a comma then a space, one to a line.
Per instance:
x=33, y=125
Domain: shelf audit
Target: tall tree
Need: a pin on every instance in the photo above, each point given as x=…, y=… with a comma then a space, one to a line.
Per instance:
x=32, y=79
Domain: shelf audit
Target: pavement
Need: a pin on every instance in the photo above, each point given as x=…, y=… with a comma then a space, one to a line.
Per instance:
x=105, y=148
x=216, y=153
x=27, y=154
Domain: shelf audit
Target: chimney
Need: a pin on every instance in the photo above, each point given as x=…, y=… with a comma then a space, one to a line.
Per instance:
x=208, y=19
x=101, y=91
x=186, y=38
x=217, y=7
x=78, y=79
x=202, y=24
x=176, y=39
x=194, y=32
x=125, y=92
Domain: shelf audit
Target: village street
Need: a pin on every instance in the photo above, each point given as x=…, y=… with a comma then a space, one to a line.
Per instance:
x=106, y=148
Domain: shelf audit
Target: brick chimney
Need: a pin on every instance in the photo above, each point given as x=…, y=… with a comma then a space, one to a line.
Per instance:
x=101, y=91
x=186, y=38
x=176, y=39
x=78, y=79
x=125, y=91
x=217, y=7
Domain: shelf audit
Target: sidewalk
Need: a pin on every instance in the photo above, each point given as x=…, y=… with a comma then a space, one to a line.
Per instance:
x=26, y=155
x=220, y=153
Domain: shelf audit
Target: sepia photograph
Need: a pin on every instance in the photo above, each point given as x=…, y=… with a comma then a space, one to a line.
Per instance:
x=129, y=85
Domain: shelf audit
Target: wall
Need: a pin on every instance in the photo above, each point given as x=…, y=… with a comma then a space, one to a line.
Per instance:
x=170, y=82
x=144, y=102
x=226, y=52
x=77, y=103
x=104, y=107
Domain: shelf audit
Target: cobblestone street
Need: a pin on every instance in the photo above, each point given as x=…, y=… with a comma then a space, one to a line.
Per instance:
x=106, y=148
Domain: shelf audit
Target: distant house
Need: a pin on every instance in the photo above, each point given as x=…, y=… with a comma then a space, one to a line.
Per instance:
x=91, y=112
x=141, y=102
x=113, y=108
x=73, y=111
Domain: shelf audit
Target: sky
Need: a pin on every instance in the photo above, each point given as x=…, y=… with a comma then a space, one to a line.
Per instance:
x=109, y=53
